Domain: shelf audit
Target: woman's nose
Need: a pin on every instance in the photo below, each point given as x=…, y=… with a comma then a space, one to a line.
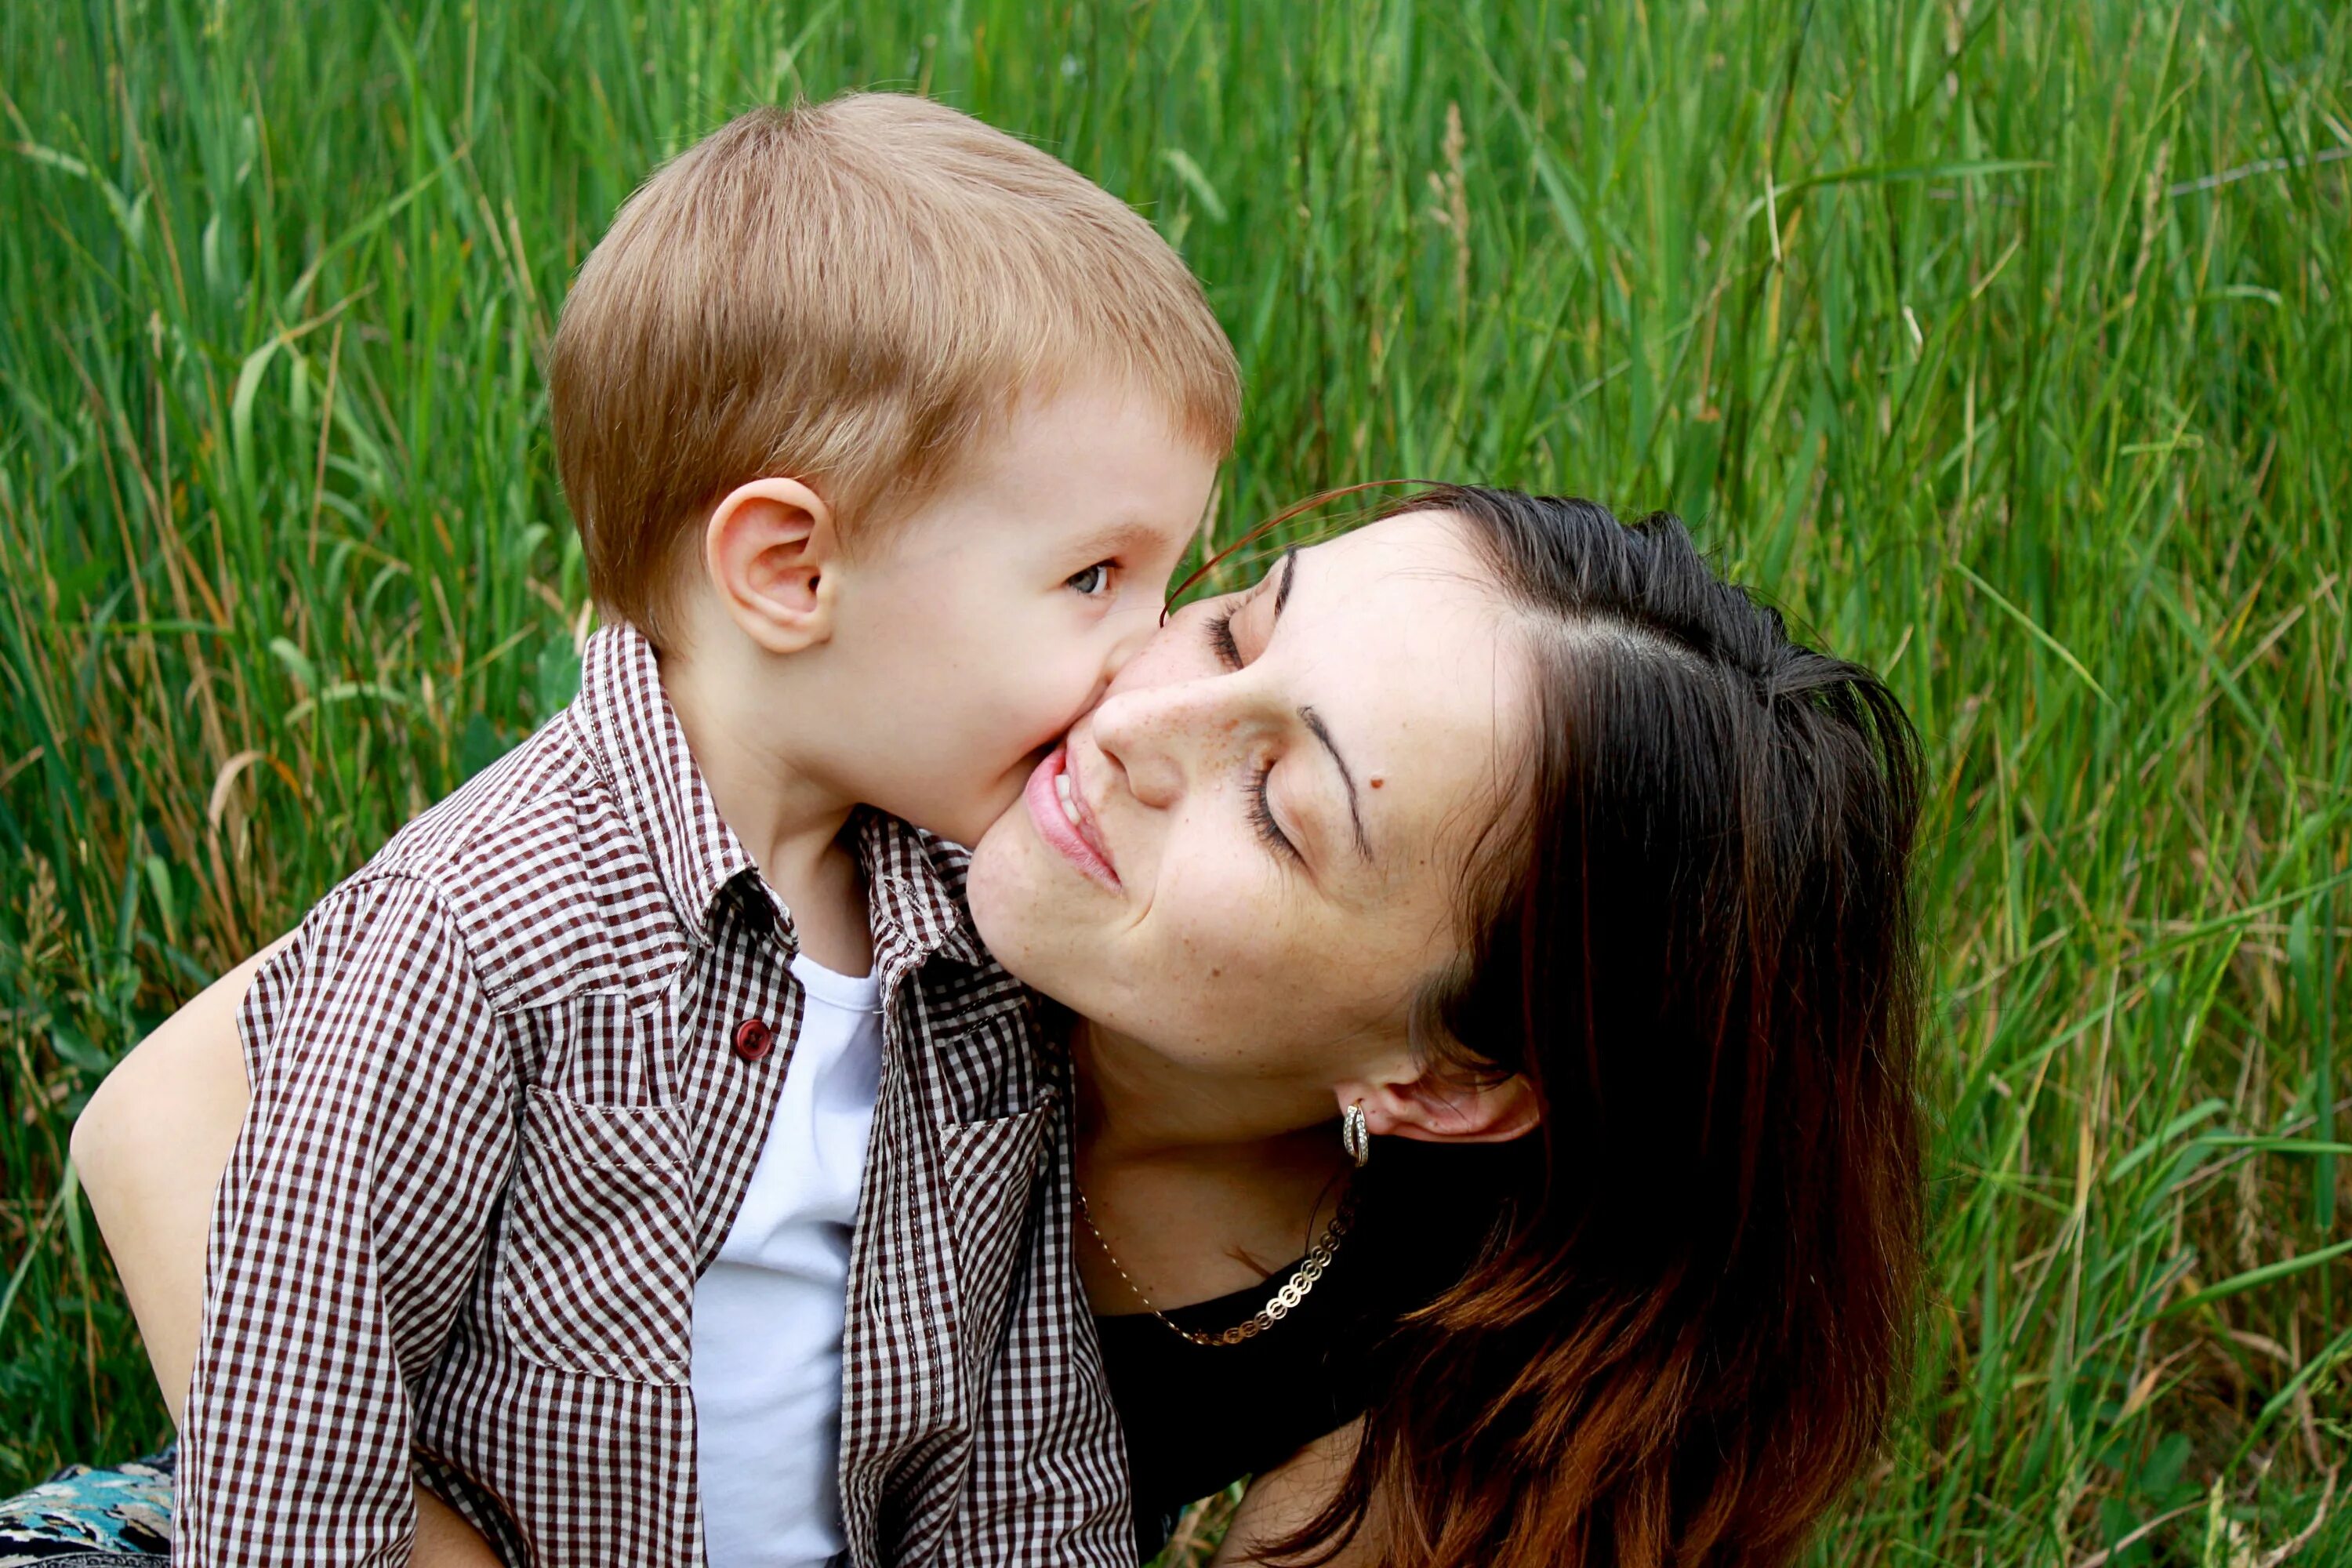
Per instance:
x=1146, y=731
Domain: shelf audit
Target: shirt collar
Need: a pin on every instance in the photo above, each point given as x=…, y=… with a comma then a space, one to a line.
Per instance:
x=915, y=884
x=634, y=733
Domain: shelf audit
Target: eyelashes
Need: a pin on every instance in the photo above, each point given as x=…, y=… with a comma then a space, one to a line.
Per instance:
x=1261, y=808
x=1221, y=639
x=1269, y=832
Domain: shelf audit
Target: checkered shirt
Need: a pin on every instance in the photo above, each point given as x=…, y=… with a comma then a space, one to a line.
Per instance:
x=509, y=1089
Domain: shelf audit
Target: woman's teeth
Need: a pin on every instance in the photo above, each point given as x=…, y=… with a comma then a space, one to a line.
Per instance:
x=1069, y=805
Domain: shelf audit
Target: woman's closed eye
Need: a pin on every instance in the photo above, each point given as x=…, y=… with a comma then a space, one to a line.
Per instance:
x=1221, y=639
x=1269, y=831
x=1220, y=628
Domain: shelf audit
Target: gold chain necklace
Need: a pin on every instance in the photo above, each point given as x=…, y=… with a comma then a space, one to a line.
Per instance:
x=1277, y=1306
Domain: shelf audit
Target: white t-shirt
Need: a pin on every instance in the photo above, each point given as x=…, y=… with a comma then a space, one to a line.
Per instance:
x=768, y=1311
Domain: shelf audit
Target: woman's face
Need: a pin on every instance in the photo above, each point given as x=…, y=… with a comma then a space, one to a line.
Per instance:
x=1247, y=858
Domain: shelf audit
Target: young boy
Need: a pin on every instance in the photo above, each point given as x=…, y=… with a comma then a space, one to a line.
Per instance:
x=648, y=1108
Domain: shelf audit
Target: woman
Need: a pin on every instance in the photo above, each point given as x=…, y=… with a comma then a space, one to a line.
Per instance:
x=1512, y=838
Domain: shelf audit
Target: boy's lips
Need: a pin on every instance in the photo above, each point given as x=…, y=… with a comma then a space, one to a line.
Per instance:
x=1066, y=820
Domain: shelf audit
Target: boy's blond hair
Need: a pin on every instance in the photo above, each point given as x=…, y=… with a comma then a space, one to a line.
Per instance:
x=852, y=294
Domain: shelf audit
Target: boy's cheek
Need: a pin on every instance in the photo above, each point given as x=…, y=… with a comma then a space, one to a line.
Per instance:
x=1034, y=707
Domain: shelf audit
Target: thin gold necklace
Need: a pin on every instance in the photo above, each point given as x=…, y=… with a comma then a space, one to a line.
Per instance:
x=1277, y=1306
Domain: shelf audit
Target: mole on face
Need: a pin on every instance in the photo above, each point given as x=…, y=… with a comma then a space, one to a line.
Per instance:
x=1377, y=781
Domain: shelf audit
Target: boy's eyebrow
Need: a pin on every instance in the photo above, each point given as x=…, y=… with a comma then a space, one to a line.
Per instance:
x=1131, y=537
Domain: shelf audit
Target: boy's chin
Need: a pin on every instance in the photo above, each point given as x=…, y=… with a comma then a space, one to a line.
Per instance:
x=990, y=807
x=964, y=824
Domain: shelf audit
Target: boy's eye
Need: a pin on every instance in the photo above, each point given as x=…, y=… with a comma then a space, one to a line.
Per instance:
x=1094, y=580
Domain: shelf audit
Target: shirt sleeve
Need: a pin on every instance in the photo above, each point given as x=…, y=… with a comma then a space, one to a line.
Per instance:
x=348, y=1227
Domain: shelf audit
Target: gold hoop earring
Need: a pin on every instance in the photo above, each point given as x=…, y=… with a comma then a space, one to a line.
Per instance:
x=1356, y=1133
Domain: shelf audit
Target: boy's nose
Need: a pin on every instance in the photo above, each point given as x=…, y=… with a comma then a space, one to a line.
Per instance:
x=1121, y=652
x=1134, y=640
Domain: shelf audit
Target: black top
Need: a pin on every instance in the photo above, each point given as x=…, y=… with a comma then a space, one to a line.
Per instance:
x=1200, y=1418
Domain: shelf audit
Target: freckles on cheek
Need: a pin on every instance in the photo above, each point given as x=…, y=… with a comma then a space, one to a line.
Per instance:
x=1221, y=910
x=1241, y=950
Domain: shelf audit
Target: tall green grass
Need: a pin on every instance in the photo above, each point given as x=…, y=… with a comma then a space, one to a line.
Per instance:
x=2006, y=345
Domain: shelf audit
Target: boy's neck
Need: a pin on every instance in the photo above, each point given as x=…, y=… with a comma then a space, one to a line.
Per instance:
x=787, y=820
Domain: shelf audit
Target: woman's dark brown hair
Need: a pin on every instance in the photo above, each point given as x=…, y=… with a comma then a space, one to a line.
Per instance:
x=1692, y=934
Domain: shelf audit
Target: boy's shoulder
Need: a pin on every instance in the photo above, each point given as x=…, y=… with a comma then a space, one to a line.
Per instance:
x=539, y=875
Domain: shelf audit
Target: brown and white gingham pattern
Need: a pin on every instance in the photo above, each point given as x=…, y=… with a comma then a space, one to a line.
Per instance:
x=499, y=1128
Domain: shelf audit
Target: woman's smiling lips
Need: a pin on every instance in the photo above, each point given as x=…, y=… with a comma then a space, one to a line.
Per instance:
x=1064, y=818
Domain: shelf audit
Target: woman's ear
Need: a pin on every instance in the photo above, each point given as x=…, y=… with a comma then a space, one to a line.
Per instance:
x=1429, y=1108
x=767, y=548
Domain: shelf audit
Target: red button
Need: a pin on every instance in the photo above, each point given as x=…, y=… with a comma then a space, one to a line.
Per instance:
x=753, y=1039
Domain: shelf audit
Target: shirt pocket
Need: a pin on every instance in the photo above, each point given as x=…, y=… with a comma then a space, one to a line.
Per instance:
x=993, y=1169
x=597, y=1275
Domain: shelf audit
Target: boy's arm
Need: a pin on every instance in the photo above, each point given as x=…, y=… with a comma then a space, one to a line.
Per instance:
x=348, y=1227
x=150, y=1148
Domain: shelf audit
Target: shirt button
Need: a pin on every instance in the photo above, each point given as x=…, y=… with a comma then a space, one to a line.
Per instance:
x=753, y=1039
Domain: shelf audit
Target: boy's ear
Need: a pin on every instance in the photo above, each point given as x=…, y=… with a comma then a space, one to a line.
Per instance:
x=1429, y=1108
x=767, y=548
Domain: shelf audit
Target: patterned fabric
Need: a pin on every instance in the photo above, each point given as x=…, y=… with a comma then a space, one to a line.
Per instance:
x=509, y=1084
x=87, y=1518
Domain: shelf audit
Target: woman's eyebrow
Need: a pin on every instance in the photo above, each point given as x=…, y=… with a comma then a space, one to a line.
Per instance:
x=1314, y=720
x=1289, y=565
x=1316, y=727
